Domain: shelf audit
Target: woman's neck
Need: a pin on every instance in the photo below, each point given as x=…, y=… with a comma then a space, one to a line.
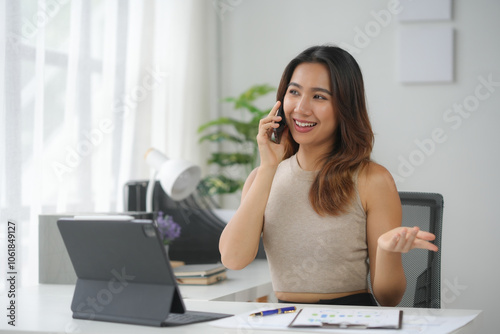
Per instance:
x=309, y=160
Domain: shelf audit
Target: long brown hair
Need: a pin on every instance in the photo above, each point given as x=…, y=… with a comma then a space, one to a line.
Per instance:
x=333, y=188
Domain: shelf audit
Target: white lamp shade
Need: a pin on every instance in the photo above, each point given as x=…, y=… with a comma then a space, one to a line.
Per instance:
x=179, y=178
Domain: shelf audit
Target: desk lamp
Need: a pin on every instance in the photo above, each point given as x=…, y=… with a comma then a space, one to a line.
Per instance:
x=178, y=178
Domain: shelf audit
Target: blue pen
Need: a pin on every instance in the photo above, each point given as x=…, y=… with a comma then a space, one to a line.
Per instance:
x=275, y=311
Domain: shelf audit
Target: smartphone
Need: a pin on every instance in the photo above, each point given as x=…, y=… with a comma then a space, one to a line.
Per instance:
x=276, y=133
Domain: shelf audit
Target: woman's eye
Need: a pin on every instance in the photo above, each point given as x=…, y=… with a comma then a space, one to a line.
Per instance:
x=293, y=92
x=320, y=97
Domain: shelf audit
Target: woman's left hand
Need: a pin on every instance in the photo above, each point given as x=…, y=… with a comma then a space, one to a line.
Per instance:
x=403, y=239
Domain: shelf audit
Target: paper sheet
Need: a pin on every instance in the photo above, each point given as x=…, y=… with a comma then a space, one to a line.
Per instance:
x=412, y=324
x=368, y=317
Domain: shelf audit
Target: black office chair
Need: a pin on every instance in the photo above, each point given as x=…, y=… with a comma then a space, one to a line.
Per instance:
x=422, y=267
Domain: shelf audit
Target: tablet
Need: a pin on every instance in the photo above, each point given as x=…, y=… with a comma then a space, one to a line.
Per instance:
x=123, y=273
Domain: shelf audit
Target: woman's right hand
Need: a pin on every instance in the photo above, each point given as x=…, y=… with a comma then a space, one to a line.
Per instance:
x=239, y=241
x=271, y=154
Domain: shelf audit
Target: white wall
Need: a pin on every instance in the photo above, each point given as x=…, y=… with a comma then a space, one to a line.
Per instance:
x=258, y=38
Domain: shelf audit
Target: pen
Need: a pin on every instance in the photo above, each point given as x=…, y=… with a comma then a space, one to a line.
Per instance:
x=275, y=311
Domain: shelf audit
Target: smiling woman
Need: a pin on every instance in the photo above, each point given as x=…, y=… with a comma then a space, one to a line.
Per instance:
x=337, y=90
x=322, y=206
x=308, y=105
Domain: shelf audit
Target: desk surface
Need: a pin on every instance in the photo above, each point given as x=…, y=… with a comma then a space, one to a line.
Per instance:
x=237, y=286
x=46, y=309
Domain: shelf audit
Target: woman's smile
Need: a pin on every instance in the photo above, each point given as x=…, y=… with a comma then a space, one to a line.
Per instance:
x=303, y=126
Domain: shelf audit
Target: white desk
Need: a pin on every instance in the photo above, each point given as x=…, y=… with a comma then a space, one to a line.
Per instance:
x=46, y=309
x=243, y=285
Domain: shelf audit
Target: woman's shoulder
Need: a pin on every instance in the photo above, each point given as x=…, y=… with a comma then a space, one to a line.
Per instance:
x=374, y=180
x=374, y=173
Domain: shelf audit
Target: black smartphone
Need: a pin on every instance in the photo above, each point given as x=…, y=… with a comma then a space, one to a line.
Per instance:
x=276, y=133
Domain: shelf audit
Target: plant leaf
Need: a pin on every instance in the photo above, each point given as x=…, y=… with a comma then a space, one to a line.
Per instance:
x=245, y=104
x=229, y=99
x=221, y=136
x=254, y=92
x=230, y=159
x=220, y=121
x=220, y=184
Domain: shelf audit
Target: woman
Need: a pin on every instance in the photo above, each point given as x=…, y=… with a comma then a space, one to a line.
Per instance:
x=322, y=206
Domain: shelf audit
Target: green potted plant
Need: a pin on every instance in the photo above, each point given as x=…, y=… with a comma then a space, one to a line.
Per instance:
x=241, y=133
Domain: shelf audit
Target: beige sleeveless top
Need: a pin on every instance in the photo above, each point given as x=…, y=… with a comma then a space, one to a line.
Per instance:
x=306, y=252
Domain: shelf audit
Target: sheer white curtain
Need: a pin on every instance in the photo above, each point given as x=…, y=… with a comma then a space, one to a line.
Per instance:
x=86, y=88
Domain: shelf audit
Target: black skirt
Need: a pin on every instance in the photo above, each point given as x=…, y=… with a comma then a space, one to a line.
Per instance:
x=358, y=299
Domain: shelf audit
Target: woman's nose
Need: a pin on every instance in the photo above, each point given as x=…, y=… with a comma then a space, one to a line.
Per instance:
x=303, y=106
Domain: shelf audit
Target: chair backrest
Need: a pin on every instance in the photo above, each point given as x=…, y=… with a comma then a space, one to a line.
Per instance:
x=422, y=267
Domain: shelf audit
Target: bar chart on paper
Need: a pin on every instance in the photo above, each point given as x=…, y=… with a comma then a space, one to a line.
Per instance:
x=348, y=318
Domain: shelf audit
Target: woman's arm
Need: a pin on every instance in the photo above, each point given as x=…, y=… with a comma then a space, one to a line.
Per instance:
x=383, y=214
x=385, y=236
x=239, y=241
